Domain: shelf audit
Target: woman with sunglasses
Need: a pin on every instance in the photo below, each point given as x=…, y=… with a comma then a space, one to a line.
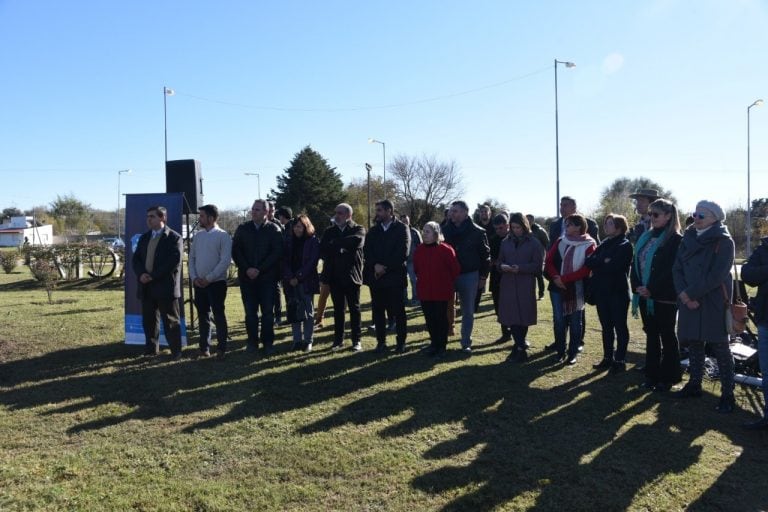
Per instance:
x=702, y=274
x=655, y=296
x=564, y=265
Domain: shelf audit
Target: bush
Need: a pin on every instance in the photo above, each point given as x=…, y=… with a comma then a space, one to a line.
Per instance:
x=8, y=260
x=47, y=273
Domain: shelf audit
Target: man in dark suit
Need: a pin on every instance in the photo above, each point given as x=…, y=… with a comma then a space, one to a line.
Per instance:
x=157, y=263
x=384, y=271
x=341, y=249
x=557, y=229
x=257, y=248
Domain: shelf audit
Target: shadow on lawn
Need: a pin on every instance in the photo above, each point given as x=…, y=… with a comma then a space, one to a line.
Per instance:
x=569, y=446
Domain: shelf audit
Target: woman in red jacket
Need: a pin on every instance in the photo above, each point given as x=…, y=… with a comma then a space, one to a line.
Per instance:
x=436, y=269
x=565, y=268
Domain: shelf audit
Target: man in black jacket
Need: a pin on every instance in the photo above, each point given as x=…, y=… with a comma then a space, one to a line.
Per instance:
x=157, y=264
x=557, y=229
x=341, y=249
x=384, y=271
x=257, y=249
x=471, y=245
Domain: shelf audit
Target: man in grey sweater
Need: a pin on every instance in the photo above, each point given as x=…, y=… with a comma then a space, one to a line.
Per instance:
x=209, y=259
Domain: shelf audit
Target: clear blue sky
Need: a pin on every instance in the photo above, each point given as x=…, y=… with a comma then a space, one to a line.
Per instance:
x=660, y=90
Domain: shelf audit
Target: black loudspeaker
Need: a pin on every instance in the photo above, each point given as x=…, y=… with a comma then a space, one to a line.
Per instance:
x=185, y=176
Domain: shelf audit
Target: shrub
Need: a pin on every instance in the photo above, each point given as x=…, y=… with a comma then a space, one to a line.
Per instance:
x=46, y=272
x=8, y=261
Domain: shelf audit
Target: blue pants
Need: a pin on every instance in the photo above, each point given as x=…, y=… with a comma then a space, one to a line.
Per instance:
x=307, y=300
x=466, y=287
x=259, y=296
x=563, y=323
x=762, y=353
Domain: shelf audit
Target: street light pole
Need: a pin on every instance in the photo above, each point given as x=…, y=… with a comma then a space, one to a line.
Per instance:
x=384, y=155
x=119, y=175
x=258, y=181
x=756, y=103
x=368, y=168
x=166, y=92
x=557, y=140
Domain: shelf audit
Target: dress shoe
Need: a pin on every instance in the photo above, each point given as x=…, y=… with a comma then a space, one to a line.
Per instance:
x=761, y=424
x=381, y=348
x=603, y=365
x=726, y=405
x=269, y=351
x=176, y=356
x=618, y=367
x=552, y=346
x=688, y=391
x=400, y=349
x=521, y=355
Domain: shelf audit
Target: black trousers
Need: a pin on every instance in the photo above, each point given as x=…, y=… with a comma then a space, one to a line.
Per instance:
x=388, y=302
x=519, y=332
x=612, y=312
x=495, y=291
x=662, y=353
x=210, y=300
x=343, y=297
x=540, y=281
x=152, y=311
x=436, y=317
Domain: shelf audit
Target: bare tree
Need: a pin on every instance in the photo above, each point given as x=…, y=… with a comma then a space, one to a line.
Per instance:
x=425, y=185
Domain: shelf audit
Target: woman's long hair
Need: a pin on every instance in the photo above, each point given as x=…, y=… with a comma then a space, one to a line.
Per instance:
x=666, y=206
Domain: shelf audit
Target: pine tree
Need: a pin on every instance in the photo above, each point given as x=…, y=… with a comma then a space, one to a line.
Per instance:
x=309, y=185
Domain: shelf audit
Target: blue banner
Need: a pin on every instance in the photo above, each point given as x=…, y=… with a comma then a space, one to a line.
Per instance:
x=135, y=225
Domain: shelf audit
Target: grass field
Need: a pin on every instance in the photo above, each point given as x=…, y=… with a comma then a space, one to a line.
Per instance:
x=87, y=424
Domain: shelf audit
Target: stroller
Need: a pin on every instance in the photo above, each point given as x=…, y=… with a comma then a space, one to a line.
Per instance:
x=744, y=344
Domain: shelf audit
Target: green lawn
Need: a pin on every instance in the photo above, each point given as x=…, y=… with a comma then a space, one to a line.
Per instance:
x=87, y=424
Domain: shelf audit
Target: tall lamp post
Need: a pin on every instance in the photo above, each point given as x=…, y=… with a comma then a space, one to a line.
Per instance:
x=384, y=157
x=557, y=141
x=368, y=168
x=119, y=175
x=258, y=181
x=166, y=92
x=756, y=103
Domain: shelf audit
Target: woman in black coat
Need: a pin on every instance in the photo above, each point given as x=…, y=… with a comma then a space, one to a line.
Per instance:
x=610, y=288
x=655, y=295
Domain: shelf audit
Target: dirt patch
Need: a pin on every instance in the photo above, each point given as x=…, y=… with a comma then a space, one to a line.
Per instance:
x=7, y=349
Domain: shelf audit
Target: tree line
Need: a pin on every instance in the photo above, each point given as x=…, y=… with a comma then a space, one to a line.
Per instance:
x=419, y=186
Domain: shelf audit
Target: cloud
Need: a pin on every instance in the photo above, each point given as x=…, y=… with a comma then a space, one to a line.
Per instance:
x=612, y=63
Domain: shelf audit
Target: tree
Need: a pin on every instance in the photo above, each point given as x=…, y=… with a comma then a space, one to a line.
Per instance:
x=71, y=214
x=426, y=185
x=615, y=197
x=357, y=196
x=7, y=213
x=309, y=185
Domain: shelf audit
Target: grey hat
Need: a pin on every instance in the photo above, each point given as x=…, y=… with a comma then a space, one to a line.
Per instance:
x=650, y=193
x=712, y=207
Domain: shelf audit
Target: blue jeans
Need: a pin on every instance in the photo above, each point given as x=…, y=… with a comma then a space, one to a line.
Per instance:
x=259, y=296
x=762, y=353
x=307, y=299
x=466, y=287
x=412, y=278
x=563, y=323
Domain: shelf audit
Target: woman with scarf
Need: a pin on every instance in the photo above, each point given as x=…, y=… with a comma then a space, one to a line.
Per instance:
x=655, y=296
x=564, y=265
x=520, y=259
x=610, y=286
x=702, y=274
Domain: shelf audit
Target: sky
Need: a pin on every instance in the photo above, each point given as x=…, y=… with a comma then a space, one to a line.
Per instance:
x=660, y=90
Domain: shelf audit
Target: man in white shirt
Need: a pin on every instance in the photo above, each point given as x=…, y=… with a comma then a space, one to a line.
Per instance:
x=209, y=259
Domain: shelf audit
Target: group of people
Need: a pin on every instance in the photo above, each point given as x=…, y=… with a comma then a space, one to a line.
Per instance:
x=678, y=282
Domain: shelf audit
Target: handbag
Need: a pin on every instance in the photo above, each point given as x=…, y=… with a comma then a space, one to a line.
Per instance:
x=589, y=291
x=295, y=310
x=735, y=312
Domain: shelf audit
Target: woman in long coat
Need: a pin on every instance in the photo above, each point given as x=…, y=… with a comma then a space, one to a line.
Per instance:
x=521, y=257
x=702, y=274
x=300, y=279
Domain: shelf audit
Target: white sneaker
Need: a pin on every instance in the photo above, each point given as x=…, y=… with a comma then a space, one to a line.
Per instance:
x=357, y=347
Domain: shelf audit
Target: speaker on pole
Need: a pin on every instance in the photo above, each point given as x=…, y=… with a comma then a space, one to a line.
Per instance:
x=185, y=176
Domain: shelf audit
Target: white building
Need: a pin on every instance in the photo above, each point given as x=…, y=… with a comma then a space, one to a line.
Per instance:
x=19, y=229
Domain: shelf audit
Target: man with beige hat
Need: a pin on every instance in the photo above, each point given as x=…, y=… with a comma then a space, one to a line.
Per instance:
x=643, y=197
